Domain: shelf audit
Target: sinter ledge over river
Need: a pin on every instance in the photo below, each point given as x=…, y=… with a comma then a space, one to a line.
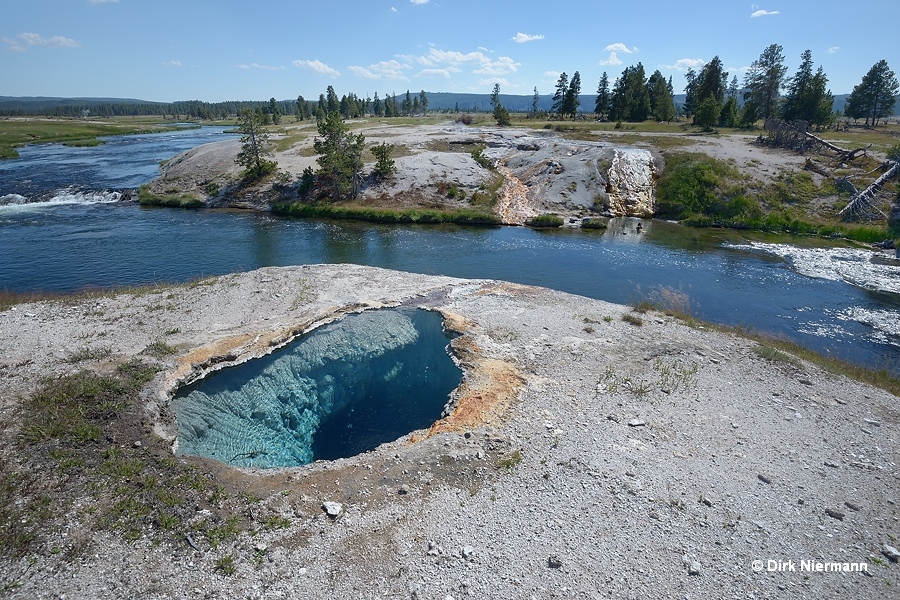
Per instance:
x=63, y=228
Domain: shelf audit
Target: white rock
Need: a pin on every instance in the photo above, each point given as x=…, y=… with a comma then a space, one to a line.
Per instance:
x=333, y=509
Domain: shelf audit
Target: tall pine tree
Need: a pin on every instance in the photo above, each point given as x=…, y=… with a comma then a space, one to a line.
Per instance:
x=601, y=104
x=875, y=96
x=559, y=98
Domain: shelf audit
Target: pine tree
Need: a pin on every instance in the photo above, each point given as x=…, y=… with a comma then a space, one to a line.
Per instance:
x=332, y=100
x=302, y=109
x=690, y=91
x=377, y=106
x=662, y=106
x=875, y=96
x=807, y=97
x=764, y=80
x=406, y=105
x=274, y=112
x=340, y=157
x=572, y=98
x=733, y=87
x=384, y=164
x=559, y=98
x=534, y=103
x=501, y=115
x=423, y=102
x=255, y=146
x=601, y=104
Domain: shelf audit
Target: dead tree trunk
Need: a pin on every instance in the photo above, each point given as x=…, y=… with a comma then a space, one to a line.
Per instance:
x=861, y=206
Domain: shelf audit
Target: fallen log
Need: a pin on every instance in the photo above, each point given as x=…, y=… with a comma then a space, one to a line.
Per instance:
x=861, y=206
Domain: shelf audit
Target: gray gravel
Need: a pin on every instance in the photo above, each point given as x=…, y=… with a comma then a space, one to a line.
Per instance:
x=653, y=461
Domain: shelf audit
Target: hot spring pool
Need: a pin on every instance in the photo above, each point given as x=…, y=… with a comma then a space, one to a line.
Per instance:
x=338, y=391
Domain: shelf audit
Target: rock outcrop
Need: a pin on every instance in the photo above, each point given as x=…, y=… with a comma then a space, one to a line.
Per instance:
x=630, y=183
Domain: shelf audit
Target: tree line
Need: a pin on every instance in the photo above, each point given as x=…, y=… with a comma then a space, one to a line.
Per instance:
x=351, y=106
x=767, y=91
x=712, y=100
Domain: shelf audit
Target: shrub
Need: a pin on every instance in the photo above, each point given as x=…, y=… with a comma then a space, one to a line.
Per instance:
x=481, y=159
x=593, y=223
x=545, y=220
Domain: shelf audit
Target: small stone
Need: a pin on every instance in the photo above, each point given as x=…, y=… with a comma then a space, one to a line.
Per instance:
x=873, y=422
x=636, y=423
x=137, y=444
x=706, y=501
x=694, y=569
x=403, y=490
x=806, y=382
x=467, y=552
x=553, y=562
x=852, y=506
x=892, y=553
x=834, y=514
x=832, y=464
x=764, y=478
x=840, y=401
x=333, y=509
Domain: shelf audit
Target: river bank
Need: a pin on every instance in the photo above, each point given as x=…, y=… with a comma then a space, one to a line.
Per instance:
x=586, y=455
x=521, y=176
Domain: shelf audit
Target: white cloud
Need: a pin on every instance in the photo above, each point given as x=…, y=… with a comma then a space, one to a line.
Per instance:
x=419, y=1
x=317, y=66
x=762, y=13
x=612, y=60
x=434, y=73
x=614, y=50
x=683, y=64
x=524, y=37
x=493, y=80
x=393, y=9
x=26, y=40
x=551, y=74
x=501, y=66
x=173, y=63
x=620, y=47
x=386, y=69
x=738, y=69
x=833, y=49
x=483, y=49
x=258, y=66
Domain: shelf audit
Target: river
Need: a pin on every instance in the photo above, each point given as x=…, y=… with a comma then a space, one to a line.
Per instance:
x=63, y=228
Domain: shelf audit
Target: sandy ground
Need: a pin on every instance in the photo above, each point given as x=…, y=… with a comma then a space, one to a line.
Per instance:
x=586, y=457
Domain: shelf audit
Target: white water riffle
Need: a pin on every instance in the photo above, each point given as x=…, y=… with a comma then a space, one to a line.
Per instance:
x=60, y=197
x=850, y=265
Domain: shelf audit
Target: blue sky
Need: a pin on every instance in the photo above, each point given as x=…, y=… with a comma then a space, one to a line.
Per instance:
x=214, y=50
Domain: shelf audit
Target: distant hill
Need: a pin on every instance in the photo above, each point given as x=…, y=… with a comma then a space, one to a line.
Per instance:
x=42, y=102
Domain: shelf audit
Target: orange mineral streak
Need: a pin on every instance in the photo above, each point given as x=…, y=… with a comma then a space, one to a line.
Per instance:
x=490, y=385
x=484, y=397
